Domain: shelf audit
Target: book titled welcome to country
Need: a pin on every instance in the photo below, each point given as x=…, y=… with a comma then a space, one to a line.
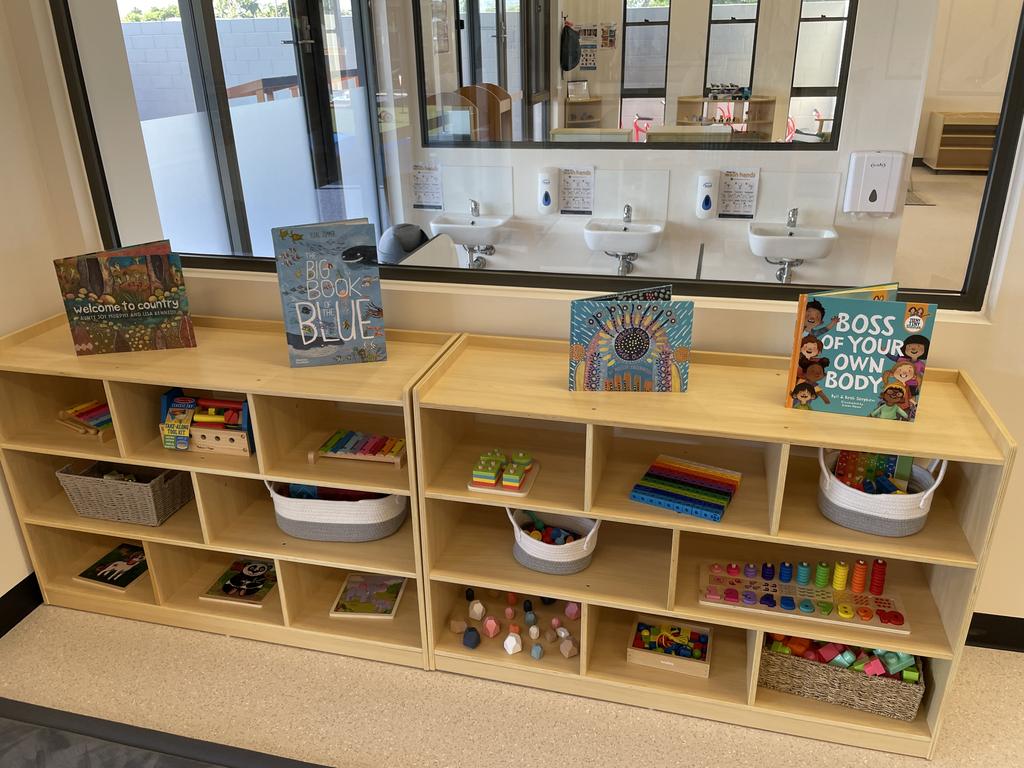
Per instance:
x=860, y=352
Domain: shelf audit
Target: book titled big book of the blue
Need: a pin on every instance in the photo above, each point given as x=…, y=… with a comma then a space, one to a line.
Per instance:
x=860, y=352
x=330, y=293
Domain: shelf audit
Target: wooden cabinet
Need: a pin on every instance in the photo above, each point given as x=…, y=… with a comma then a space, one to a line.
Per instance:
x=583, y=113
x=756, y=114
x=961, y=141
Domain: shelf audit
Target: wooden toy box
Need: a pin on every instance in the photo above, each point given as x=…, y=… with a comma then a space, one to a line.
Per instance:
x=681, y=664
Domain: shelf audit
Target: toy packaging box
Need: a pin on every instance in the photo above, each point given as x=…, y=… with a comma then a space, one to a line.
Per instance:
x=860, y=352
x=127, y=300
x=330, y=293
x=630, y=342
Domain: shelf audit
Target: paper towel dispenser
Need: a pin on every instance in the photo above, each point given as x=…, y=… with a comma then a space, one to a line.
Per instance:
x=874, y=183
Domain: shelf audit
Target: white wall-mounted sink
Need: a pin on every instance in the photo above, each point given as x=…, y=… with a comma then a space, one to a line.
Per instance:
x=465, y=229
x=617, y=236
x=779, y=242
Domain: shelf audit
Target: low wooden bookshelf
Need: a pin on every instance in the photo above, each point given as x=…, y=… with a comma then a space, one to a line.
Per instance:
x=511, y=393
x=232, y=515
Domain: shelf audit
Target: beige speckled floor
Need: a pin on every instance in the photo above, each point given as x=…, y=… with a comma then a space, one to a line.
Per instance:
x=334, y=710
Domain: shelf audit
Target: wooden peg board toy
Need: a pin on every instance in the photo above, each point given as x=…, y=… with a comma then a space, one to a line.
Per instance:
x=361, y=446
x=821, y=596
x=205, y=424
x=504, y=474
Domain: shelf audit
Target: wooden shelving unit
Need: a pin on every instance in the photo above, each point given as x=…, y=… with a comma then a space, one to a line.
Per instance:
x=757, y=113
x=510, y=393
x=960, y=141
x=232, y=514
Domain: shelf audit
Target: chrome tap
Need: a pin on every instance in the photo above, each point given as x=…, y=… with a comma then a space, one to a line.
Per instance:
x=627, y=214
x=792, y=216
x=474, y=207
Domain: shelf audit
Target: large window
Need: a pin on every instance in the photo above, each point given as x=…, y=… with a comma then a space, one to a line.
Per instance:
x=732, y=35
x=820, y=46
x=645, y=42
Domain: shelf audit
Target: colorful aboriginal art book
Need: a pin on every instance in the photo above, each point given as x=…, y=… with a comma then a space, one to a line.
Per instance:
x=860, y=352
x=330, y=293
x=127, y=300
x=246, y=582
x=369, y=596
x=118, y=569
x=630, y=342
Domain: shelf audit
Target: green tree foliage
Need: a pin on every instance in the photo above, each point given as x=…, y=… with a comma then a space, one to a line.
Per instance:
x=224, y=9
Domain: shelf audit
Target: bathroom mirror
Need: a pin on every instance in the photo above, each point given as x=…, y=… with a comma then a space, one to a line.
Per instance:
x=721, y=74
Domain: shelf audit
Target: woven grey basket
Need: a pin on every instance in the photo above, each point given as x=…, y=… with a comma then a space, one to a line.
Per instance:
x=155, y=496
x=846, y=687
x=879, y=524
x=553, y=567
x=351, y=532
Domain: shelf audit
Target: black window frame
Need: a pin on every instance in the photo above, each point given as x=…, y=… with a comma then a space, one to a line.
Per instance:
x=713, y=22
x=642, y=93
x=970, y=298
x=797, y=92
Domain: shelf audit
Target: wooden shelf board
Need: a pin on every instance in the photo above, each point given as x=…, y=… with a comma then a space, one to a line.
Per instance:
x=726, y=682
x=942, y=540
x=153, y=454
x=746, y=516
x=558, y=487
x=182, y=527
x=255, y=532
x=629, y=569
x=477, y=380
x=402, y=631
x=186, y=596
x=907, y=580
x=139, y=591
x=820, y=712
x=373, y=476
x=234, y=355
x=64, y=442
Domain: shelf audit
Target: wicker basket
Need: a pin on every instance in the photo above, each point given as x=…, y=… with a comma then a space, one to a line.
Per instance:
x=555, y=559
x=156, y=495
x=325, y=520
x=846, y=687
x=884, y=514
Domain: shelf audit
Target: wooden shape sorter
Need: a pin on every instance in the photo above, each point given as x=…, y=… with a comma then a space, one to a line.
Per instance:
x=807, y=602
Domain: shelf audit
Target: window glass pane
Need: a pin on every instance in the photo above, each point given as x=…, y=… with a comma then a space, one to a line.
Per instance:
x=819, y=54
x=830, y=9
x=730, y=51
x=641, y=114
x=646, y=54
x=733, y=9
x=647, y=10
x=812, y=117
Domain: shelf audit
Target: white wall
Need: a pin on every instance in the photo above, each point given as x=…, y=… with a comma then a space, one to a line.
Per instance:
x=40, y=215
x=970, y=58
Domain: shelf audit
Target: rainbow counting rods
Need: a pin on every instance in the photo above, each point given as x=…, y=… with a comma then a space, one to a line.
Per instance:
x=687, y=487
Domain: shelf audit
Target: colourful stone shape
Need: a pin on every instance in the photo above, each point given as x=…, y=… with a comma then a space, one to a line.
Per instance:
x=471, y=638
x=572, y=611
x=537, y=651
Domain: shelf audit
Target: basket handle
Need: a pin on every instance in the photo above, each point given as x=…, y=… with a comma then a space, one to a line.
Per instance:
x=270, y=487
x=829, y=477
x=943, y=465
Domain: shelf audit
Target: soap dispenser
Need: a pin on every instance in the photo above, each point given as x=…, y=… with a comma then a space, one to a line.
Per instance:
x=547, y=190
x=707, y=194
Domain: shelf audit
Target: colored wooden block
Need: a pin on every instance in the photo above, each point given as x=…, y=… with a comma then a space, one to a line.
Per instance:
x=874, y=667
x=477, y=610
x=471, y=638
x=569, y=647
x=513, y=644
x=572, y=611
x=491, y=626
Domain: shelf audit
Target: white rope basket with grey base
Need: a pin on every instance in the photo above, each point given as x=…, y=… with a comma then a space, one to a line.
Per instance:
x=557, y=559
x=326, y=520
x=883, y=514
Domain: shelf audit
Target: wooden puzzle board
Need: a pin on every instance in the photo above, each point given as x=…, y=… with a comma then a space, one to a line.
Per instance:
x=887, y=602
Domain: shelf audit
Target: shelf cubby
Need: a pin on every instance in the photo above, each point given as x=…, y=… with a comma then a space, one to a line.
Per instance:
x=136, y=411
x=60, y=555
x=288, y=428
x=448, y=601
x=239, y=516
x=32, y=403
x=452, y=443
x=309, y=594
x=620, y=457
x=473, y=545
x=33, y=481
x=182, y=574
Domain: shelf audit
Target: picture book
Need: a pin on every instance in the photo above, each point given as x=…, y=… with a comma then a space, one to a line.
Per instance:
x=246, y=582
x=127, y=300
x=638, y=341
x=860, y=352
x=118, y=569
x=330, y=293
x=369, y=595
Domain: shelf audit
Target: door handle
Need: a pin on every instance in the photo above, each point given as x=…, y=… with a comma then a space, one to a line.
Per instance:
x=297, y=42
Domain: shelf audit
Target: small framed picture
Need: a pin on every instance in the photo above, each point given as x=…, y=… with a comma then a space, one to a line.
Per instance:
x=578, y=90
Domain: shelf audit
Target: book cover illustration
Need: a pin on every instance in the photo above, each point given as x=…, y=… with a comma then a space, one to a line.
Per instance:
x=860, y=352
x=246, y=582
x=118, y=569
x=369, y=595
x=127, y=300
x=638, y=341
x=330, y=293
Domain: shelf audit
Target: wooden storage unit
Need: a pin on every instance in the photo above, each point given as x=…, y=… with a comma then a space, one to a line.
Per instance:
x=960, y=141
x=592, y=448
x=584, y=113
x=232, y=514
x=757, y=113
